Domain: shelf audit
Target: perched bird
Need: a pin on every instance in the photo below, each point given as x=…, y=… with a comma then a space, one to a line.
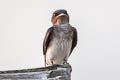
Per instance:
x=60, y=39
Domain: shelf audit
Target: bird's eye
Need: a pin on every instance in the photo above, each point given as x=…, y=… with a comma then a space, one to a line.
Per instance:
x=65, y=12
x=56, y=14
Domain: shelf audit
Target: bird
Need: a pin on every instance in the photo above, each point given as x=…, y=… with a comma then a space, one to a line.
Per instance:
x=60, y=39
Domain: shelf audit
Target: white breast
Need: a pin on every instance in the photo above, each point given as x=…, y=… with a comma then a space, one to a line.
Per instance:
x=58, y=51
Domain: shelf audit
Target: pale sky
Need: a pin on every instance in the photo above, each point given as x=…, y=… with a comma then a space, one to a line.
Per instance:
x=23, y=25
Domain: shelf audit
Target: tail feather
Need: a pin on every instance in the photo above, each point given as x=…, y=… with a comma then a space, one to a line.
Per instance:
x=45, y=60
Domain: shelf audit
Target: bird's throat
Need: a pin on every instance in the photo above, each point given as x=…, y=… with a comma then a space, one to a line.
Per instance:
x=61, y=20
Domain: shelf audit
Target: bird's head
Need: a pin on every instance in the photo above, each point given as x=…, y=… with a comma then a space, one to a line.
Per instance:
x=60, y=17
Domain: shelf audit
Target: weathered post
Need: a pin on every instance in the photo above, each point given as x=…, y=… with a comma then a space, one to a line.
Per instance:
x=56, y=72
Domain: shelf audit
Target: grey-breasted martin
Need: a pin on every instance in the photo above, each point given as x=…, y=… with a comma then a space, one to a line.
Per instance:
x=60, y=39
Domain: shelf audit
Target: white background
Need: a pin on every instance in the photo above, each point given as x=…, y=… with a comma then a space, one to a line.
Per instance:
x=23, y=25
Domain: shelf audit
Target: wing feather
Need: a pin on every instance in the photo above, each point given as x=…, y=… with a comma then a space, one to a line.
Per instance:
x=47, y=39
x=74, y=41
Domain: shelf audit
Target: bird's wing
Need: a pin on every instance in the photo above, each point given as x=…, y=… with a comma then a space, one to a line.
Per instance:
x=74, y=41
x=47, y=39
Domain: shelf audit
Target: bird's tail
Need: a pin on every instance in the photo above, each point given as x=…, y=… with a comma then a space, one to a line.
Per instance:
x=45, y=60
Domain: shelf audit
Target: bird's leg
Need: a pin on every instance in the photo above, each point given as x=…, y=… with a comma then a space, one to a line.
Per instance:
x=52, y=62
x=65, y=60
x=49, y=62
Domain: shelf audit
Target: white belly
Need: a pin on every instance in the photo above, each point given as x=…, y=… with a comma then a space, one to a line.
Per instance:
x=58, y=52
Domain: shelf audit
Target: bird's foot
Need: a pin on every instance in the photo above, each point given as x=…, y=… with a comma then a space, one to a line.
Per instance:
x=66, y=64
